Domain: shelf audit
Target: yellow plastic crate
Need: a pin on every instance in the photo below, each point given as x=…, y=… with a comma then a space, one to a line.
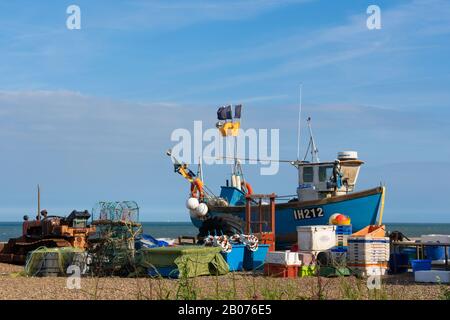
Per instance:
x=307, y=271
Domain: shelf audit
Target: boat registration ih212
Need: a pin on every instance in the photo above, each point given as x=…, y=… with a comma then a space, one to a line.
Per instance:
x=300, y=214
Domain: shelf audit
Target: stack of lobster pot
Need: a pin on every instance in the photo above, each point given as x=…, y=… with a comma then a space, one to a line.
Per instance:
x=368, y=251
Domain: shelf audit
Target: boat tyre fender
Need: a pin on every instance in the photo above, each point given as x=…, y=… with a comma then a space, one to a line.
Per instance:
x=225, y=224
x=197, y=189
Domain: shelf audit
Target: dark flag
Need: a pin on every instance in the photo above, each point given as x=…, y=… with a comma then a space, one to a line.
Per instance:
x=221, y=114
x=228, y=111
x=237, y=111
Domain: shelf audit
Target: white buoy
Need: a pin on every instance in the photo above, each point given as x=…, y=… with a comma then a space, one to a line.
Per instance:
x=202, y=210
x=192, y=203
x=233, y=181
x=238, y=182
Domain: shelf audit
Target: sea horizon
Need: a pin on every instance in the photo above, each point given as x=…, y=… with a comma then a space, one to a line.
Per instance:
x=174, y=229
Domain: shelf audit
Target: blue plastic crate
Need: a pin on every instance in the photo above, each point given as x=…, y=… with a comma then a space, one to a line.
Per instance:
x=254, y=260
x=235, y=258
x=346, y=229
x=166, y=272
x=435, y=253
x=339, y=249
x=421, y=265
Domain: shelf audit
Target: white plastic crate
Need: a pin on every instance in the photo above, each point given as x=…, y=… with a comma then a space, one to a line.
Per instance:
x=371, y=259
x=367, y=271
x=366, y=262
x=368, y=258
x=369, y=252
x=316, y=238
x=438, y=238
x=363, y=250
x=287, y=258
x=435, y=276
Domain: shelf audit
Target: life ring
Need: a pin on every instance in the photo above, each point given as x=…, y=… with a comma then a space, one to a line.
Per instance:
x=247, y=187
x=197, y=189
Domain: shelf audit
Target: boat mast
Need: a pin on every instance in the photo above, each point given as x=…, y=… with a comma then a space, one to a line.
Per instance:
x=200, y=168
x=299, y=123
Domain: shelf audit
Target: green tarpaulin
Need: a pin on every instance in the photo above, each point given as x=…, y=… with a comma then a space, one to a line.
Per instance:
x=191, y=261
x=54, y=261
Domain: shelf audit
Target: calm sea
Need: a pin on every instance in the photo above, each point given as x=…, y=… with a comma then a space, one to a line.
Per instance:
x=156, y=229
x=175, y=229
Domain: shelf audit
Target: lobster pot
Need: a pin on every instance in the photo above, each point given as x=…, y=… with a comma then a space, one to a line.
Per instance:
x=316, y=238
x=116, y=211
x=338, y=258
x=368, y=251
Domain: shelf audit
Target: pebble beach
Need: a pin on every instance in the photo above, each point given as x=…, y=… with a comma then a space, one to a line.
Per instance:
x=15, y=286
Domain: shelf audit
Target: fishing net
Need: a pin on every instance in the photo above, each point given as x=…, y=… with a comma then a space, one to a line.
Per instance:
x=55, y=261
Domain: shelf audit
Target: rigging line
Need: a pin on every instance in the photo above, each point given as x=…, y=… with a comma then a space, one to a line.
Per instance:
x=249, y=159
x=307, y=151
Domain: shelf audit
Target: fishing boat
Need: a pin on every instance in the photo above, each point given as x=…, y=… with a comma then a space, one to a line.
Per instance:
x=325, y=188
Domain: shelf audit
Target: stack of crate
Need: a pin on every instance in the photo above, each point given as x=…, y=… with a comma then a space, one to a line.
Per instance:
x=314, y=241
x=368, y=251
x=342, y=234
x=284, y=264
x=339, y=252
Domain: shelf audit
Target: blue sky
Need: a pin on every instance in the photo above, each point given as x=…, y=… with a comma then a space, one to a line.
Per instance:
x=88, y=113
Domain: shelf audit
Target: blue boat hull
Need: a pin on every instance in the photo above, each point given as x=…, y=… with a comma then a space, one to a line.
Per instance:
x=362, y=207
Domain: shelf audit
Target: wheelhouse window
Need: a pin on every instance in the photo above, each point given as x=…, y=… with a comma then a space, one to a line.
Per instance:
x=325, y=173
x=308, y=174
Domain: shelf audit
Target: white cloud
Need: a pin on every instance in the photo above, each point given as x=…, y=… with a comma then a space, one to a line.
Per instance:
x=406, y=28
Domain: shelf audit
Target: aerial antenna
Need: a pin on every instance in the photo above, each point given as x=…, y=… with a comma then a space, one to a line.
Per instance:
x=200, y=168
x=314, y=151
x=299, y=122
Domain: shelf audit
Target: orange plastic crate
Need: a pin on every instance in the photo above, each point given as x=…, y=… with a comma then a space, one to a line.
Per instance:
x=280, y=270
x=374, y=231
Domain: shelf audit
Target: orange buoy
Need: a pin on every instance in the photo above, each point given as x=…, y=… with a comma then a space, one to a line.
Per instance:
x=197, y=189
x=248, y=187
